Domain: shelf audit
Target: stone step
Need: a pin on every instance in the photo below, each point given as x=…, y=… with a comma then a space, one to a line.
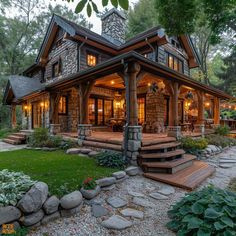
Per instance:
x=169, y=167
x=103, y=140
x=160, y=147
x=188, y=178
x=148, y=157
x=21, y=135
x=158, y=141
x=102, y=145
x=15, y=137
x=11, y=141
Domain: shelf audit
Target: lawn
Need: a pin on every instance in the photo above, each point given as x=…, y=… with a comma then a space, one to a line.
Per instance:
x=62, y=172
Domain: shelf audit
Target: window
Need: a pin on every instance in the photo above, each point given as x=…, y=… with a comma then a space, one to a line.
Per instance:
x=174, y=63
x=141, y=109
x=56, y=69
x=62, y=109
x=91, y=59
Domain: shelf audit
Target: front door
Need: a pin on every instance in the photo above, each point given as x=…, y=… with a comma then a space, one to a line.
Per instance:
x=36, y=115
x=100, y=110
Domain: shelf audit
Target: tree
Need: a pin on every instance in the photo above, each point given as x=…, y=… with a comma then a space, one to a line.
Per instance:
x=141, y=17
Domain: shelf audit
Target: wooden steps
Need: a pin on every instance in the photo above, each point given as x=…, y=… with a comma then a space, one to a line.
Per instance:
x=169, y=167
x=188, y=178
x=103, y=140
x=16, y=138
x=103, y=145
x=158, y=141
x=158, y=147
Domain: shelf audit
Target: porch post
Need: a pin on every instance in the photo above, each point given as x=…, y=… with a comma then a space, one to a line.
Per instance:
x=200, y=126
x=55, y=126
x=216, y=112
x=84, y=128
x=13, y=116
x=174, y=130
x=132, y=132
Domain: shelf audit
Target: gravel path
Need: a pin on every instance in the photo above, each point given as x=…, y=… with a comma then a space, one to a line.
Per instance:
x=155, y=218
x=4, y=147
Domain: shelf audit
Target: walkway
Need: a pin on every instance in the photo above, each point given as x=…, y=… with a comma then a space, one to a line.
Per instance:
x=4, y=147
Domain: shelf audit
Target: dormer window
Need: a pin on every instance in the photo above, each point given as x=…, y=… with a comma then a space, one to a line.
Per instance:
x=91, y=59
x=56, y=69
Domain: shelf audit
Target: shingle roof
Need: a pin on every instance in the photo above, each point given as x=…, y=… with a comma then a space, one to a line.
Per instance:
x=22, y=86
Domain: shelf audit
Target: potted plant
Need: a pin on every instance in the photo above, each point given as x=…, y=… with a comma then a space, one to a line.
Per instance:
x=90, y=189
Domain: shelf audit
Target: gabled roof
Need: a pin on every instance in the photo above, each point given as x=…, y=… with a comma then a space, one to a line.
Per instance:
x=20, y=86
x=81, y=33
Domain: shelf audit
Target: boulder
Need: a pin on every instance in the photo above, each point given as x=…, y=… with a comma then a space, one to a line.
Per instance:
x=9, y=214
x=132, y=170
x=71, y=200
x=213, y=148
x=89, y=194
x=70, y=212
x=49, y=218
x=33, y=218
x=128, y=212
x=73, y=151
x=85, y=150
x=51, y=205
x=117, y=202
x=93, y=153
x=116, y=222
x=33, y=200
x=119, y=174
x=108, y=188
x=98, y=210
x=106, y=181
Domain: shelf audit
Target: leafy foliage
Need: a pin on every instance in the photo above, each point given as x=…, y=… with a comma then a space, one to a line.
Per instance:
x=111, y=159
x=13, y=185
x=222, y=130
x=220, y=141
x=232, y=184
x=194, y=146
x=89, y=184
x=210, y=211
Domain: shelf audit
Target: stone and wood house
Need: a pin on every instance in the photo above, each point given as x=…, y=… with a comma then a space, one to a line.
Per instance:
x=100, y=85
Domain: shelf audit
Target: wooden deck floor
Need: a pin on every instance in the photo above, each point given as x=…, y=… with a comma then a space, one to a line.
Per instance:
x=189, y=178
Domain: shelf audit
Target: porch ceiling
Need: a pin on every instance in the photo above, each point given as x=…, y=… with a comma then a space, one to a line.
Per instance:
x=117, y=65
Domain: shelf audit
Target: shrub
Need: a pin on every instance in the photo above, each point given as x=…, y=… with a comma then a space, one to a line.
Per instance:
x=232, y=184
x=111, y=159
x=38, y=138
x=89, y=184
x=66, y=144
x=210, y=211
x=13, y=185
x=220, y=141
x=222, y=130
x=193, y=146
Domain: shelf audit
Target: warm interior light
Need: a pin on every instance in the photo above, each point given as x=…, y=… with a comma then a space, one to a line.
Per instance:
x=112, y=82
x=207, y=104
x=26, y=107
x=230, y=107
x=149, y=84
x=189, y=103
x=117, y=104
x=42, y=104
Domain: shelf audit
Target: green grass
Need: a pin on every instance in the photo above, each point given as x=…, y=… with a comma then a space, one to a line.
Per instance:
x=63, y=173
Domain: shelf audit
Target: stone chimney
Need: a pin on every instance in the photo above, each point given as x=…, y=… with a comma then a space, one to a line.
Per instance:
x=113, y=26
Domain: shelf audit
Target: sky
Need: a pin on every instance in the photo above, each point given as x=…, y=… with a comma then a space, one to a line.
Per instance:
x=93, y=19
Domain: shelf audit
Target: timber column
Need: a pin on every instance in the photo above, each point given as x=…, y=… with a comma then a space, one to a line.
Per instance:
x=216, y=112
x=84, y=128
x=132, y=131
x=200, y=126
x=13, y=116
x=174, y=130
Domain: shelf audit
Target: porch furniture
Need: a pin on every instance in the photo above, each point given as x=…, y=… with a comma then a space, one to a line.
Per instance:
x=117, y=124
x=209, y=123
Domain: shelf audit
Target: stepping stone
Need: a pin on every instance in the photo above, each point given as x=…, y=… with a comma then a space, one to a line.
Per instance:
x=135, y=194
x=132, y=170
x=158, y=196
x=227, y=161
x=142, y=202
x=85, y=150
x=106, y=181
x=98, y=210
x=117, y=202
x=132, y=213
x=116, y=222
x=166, y=190
x=225, y=165
x=108, y=188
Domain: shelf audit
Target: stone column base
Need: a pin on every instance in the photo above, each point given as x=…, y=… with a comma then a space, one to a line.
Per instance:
x=200, y=128
x=133, y=143
x=55, y=129
x=174, y=131
x=84, y=130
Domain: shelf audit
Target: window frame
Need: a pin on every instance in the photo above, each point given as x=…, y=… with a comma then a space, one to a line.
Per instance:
x=144, y=96
x=175, y=58
x=59, y=68
x=66, y=106
x=91, y=54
